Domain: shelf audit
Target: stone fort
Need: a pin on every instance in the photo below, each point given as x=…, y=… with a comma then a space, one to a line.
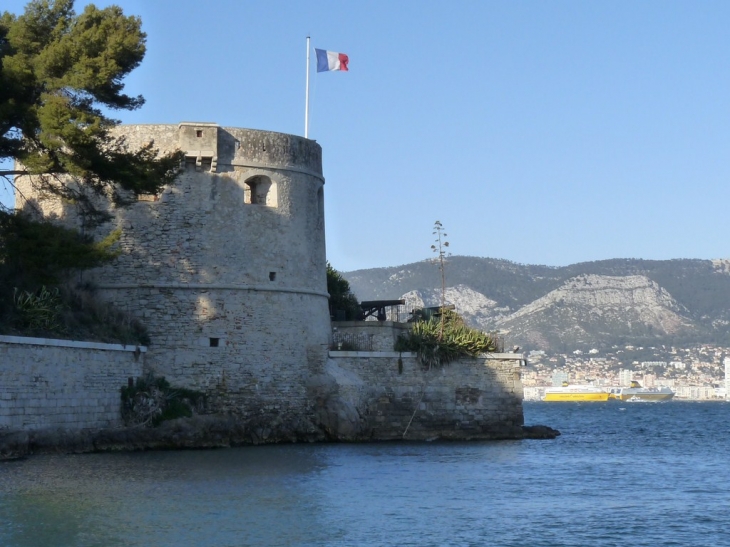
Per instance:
x=227, y=270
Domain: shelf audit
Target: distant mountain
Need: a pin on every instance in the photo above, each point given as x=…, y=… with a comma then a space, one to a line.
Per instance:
x=591, y=304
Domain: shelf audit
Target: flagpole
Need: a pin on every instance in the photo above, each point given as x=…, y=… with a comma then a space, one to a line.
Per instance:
x=306, y=98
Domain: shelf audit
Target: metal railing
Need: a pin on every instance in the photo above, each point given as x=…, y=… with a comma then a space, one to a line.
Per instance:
x=398, y=314
x=349, y=341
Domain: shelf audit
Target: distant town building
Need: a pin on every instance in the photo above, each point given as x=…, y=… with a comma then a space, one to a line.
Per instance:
x=559, y=377
x=625, y=376
x=695, y=392
x=652, y=364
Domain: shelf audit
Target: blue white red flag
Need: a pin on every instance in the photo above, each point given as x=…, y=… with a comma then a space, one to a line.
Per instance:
x=331, y=60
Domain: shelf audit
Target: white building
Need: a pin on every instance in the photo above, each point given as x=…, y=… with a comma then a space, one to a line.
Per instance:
x=559, y=377
x=625, y=376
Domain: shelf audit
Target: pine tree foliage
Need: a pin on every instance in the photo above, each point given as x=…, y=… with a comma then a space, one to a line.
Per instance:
x=35, y=253
x=61, y=73
x=36, y=257
x=58, y=71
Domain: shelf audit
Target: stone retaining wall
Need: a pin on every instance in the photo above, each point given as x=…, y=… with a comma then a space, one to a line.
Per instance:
x=387, y=395
x=47, y=383
x=354, y=396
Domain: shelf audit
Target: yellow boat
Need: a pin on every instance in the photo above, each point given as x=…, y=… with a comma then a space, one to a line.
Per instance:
x=575, y=393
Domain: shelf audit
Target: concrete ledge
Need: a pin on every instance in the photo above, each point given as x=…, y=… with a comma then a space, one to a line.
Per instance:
x=211, y=286
x=28, y=341
x=515, y=356
x=371, y=324
x=499, y=356
x=278, y=167
x=334, y=353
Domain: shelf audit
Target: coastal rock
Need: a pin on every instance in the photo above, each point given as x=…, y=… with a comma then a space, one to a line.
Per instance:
x=341, y=422
x=539, y=432
x=49, y=441
x=337, y=395
x=14, y=445
x=208, y=431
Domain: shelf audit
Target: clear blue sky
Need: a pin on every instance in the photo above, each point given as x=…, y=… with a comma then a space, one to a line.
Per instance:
x=538, y=132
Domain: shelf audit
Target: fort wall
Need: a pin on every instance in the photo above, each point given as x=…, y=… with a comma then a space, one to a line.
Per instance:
x=50, y=384
x=391, y=396
x=225, y=267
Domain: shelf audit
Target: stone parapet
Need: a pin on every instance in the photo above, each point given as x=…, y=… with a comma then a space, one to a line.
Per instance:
x=63, y=383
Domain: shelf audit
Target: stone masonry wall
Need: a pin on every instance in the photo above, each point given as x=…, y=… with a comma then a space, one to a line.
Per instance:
x=388, y=396
x=225, y=267
x=251, y=352
x=63, y=384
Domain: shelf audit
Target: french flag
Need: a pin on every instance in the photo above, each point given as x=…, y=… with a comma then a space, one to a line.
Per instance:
x=331, y=60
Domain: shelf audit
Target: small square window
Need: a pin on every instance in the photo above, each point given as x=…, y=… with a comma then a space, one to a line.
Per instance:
x=272, y=276
x=214, y=342
x=198, y=132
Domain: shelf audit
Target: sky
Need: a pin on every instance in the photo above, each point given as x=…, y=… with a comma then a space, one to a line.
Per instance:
x=540, y=132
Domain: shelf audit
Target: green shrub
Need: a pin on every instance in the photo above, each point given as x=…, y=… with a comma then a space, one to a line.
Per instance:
x=39, y=259
x=39, y=310
x=152, y=400
x=39, y=252
x=437, y=349
x=77, y=313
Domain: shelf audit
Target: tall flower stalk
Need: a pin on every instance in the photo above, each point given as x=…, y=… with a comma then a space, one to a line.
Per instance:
x=440, y=245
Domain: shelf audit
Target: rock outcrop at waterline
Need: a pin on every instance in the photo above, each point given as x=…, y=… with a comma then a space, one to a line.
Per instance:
x=211, y=431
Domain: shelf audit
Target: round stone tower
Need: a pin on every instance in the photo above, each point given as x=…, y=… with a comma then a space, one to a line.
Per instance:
x=226, y=267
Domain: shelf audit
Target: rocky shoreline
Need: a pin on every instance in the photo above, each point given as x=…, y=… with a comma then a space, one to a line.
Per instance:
x=198, y=432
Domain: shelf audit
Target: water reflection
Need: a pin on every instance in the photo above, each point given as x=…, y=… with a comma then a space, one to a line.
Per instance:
x=666, y=463
x=248, y=495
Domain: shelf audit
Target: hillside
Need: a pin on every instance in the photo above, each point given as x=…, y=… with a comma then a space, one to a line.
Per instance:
x=591, y=304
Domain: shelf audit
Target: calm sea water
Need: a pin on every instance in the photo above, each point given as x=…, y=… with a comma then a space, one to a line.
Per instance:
x=621, y=474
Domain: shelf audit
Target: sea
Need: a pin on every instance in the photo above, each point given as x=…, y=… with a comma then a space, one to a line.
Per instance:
x=654, y=474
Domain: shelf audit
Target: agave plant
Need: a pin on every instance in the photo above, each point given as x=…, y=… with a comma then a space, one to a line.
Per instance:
x=39, y=310
x=440, y=340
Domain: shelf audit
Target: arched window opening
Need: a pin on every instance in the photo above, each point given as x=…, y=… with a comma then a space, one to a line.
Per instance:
x=259, y=190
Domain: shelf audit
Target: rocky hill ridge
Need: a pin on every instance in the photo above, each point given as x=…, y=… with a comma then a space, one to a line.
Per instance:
x=596, y=303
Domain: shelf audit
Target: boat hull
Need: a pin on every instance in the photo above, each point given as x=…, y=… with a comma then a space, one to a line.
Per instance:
x=651, y=397
x=575, y=396
x=638, y=393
